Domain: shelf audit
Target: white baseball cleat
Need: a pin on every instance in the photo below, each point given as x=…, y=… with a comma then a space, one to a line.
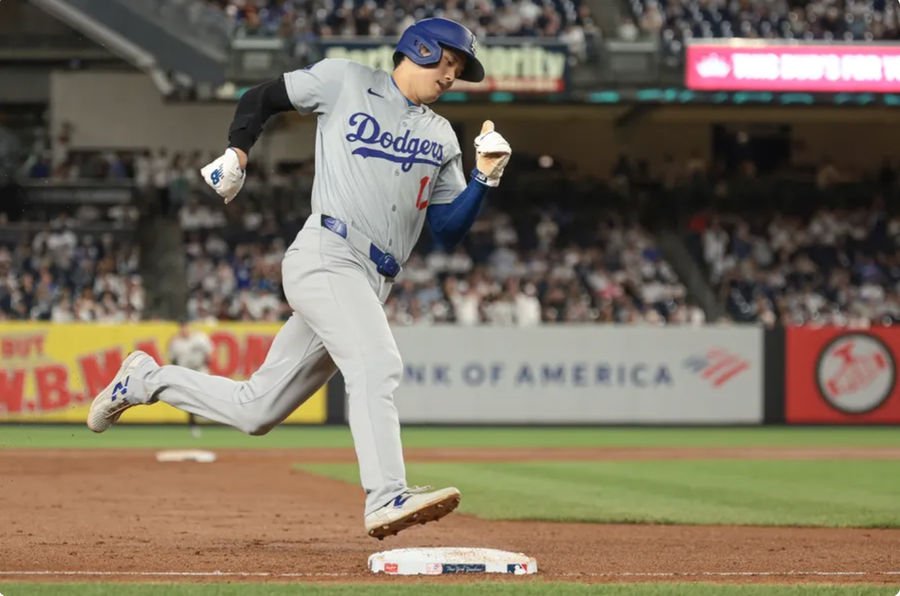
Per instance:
x=418, y=505
x=119, y=395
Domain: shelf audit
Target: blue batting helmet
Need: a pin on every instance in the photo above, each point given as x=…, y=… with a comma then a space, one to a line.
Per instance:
x=422, y=43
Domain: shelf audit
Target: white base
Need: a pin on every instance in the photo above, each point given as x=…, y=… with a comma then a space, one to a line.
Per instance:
x=440, y=561
x=194, y=455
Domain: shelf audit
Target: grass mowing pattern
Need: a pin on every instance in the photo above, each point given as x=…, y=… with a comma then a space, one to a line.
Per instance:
x=860, y=493
x=834, y=493
x=523, y=587
x=285, y=437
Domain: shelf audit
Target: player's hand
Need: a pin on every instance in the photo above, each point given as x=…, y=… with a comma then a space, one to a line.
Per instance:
x=225, y=174
x=492, y=153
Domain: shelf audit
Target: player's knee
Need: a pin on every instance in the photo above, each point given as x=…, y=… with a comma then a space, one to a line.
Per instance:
x=261, y=430
x=256, y=425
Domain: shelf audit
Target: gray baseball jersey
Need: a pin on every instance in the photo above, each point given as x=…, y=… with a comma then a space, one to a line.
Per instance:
x=379, y=163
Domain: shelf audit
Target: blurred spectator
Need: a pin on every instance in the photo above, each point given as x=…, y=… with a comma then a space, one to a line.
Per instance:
x=828, y=175
x=628, y=31
x=40, y=169
x=143, y=169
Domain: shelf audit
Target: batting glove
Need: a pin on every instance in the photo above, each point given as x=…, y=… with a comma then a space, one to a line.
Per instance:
x=492, y=153
x=224, y=175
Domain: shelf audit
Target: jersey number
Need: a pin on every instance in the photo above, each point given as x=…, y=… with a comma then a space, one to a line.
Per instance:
x=420, y=204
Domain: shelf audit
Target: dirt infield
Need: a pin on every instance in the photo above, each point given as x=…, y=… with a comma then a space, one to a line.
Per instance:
x=120, y=515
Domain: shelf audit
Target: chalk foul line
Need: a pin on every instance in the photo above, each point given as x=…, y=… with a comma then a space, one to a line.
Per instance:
x=314, y=574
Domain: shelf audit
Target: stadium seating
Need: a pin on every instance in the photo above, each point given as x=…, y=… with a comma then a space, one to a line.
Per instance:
x=773, y=253
x=839, y=267
x=551, y=266
x=677, y=21
x=569, y=20
x=234, y=273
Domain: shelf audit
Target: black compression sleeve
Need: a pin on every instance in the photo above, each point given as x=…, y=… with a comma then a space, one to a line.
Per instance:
x=253, y=109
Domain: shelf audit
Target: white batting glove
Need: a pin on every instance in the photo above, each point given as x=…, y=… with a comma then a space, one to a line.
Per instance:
x=492, y=153
x=224, y=175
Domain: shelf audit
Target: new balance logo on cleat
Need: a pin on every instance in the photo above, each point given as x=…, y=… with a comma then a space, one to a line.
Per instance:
x=413, y=507
x=120, y=395
x=401, y=500
x=121, y=387
x=216, y=175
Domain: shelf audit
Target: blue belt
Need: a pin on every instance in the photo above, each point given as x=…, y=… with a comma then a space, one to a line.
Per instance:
x=385, y=263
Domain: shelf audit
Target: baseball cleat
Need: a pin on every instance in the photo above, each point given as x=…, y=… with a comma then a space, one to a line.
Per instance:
x=117, y=396
x=414, y=507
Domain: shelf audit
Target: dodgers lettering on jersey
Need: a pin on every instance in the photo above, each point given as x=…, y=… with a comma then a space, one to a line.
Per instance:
x=379, y=161
x=406, y=150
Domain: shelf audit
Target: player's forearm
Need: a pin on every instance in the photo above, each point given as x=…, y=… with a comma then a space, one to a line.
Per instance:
x=450, y=222
x=226, y=174
x=254, y=108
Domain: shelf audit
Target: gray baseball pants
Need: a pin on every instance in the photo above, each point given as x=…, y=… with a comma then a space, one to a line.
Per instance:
x=338, y=324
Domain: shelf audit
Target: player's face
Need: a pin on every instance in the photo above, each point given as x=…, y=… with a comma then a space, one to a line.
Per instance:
x=433, y=82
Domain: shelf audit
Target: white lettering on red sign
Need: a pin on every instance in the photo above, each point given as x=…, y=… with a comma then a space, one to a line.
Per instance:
x=800, y=68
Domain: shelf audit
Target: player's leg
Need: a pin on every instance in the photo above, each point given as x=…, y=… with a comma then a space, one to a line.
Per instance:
x=327, y=285
x=295, y=367
x=344, y=311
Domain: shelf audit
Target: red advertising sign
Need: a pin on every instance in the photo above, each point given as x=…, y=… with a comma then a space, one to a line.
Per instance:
x=838, y=375
x=743, y=65
x=51, y=372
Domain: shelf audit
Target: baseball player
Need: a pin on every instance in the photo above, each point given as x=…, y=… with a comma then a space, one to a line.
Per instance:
x=385, y=163
x=191, y=349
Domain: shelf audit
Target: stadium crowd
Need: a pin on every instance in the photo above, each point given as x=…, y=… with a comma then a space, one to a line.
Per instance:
x=677, y=21
x=60, y=276
x=838, y=267
x=234, y=273
x=302, y=22
x=618, y=276
x=535, y=263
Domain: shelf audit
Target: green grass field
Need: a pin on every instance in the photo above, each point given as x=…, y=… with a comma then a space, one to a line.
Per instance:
x=858, y=492
x=855, y=493
x=65, y=437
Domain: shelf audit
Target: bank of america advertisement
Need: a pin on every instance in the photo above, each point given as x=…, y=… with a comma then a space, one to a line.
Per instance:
x=585, y=374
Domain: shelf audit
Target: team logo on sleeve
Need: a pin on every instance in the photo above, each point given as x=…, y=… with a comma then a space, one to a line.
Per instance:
x=403, y=149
